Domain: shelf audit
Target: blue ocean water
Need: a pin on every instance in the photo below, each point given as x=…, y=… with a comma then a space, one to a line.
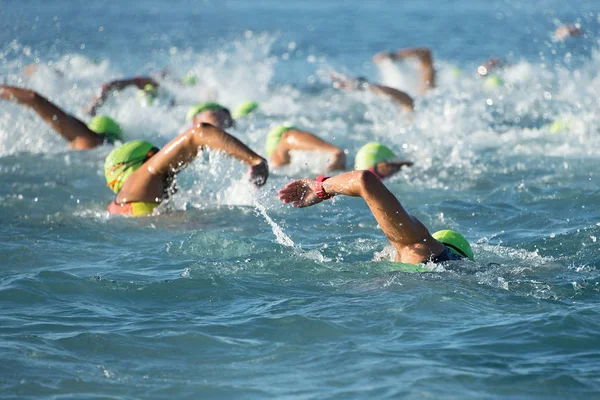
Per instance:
x=229, y=293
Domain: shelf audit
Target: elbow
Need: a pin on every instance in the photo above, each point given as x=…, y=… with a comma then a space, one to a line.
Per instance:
x=367, y=181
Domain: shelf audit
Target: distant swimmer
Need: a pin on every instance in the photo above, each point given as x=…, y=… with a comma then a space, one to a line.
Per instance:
x=378, y=159
x=283, y=139
x=565, y=31
x=490, y=72
x=147, y=91
x=142, y=175
x=410, y=238
x=422, y=54
x=80, y=136
x=404, y=101
x=218, y=115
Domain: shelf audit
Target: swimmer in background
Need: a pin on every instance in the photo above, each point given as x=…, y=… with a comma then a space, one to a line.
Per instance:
x=565, y=31
x=285, y=138
x=100, y=130
x=379, y=160
x=410, y=238
x=489, y=70
x=422, y=54
x=142, y=175
x=147, y=86
x=404, y=101
x=217, y=115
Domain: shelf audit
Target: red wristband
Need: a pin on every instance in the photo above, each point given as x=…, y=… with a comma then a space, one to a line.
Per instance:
x=320, y=192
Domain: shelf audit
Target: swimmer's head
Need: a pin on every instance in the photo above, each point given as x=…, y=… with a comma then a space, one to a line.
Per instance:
x=148, y=94
x=559, y=125
x=124, y=160
x=274, y=137
x=455, y=242
x=189, y=79
x=212, y=113
x=244, y=109
x=372, y=154
x=362, y=83
x=107, y=127
x=493, y=82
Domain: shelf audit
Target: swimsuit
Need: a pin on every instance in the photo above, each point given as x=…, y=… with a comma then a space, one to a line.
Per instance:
x=135, y=208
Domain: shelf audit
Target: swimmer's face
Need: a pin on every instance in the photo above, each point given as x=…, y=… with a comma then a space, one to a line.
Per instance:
x=220, y=118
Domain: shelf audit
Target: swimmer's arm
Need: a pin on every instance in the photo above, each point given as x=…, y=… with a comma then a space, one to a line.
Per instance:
x=176, y=154
x=70, y=128
x=294, y=139
x=405, y=102
x=400, y=227
x=423, y=54
x=389, y=168
x=105, y=90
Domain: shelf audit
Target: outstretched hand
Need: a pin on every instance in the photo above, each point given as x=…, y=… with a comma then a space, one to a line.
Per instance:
x=301, y=193
x=259, y=173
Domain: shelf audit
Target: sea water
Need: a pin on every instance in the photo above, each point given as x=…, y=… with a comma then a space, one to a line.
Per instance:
x=228, y=293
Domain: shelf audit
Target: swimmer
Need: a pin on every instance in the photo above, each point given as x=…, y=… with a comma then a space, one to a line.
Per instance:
x=361, y=84
x=565, y=31
x=142, y=175
x=285, y=138
x=100, y=130
x=211, y=113
x=422, y=54
x=378, y=159
x=147, y=87
x=410, y=238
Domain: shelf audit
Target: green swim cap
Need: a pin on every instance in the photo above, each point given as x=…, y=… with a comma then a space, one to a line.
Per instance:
x=106, y=126
x=559, y=125
x=274, y=137
x=189, y=79
x=201, y=107
x=148, y=94
x=244, y=109
x=493, y=81
x=124, y=160
x=371, y=154
x=455, y=242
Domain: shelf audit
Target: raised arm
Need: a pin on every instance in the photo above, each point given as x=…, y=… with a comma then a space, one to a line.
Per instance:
x=74, y=131
x=295, y=139
x=117, y=85
x=406, y=233
x=422, y=54
x=405, y=102
x=147, y=182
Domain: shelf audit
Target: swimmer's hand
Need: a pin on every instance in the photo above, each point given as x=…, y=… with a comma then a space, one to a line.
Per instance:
x=301, y=193
x=382, y=56
x=259, y=173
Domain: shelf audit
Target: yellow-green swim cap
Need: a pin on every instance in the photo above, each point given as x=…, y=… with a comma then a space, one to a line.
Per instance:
x=493, y=81
x=274, y=137
x=189, y=79
x=455, y=242
x=244, y=109
x=559, y=125
x=103, y=125
x=124, y=160
x=148, y=94
x=371, y=154
x=201, y=107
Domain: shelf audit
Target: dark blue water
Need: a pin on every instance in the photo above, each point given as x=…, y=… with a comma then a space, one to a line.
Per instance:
x=230, y=294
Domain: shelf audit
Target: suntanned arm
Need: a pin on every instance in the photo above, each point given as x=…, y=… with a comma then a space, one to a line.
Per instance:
x=389, y=168
x=407, y=234
x=117, y=85
x=70, y=128
x=405, y=102
x=425, y=58
x=147, y=182
x=295, y=139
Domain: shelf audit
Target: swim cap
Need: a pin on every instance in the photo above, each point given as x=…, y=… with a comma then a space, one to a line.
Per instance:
x=148, y=94
x=274, y=137
x=106, y=126
x=189, y=79
x=244, y=109
x=371, y=154
x=493, y=81
x=455, y=242
x=201, y=107
x=559, y=125
x=124, y=160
